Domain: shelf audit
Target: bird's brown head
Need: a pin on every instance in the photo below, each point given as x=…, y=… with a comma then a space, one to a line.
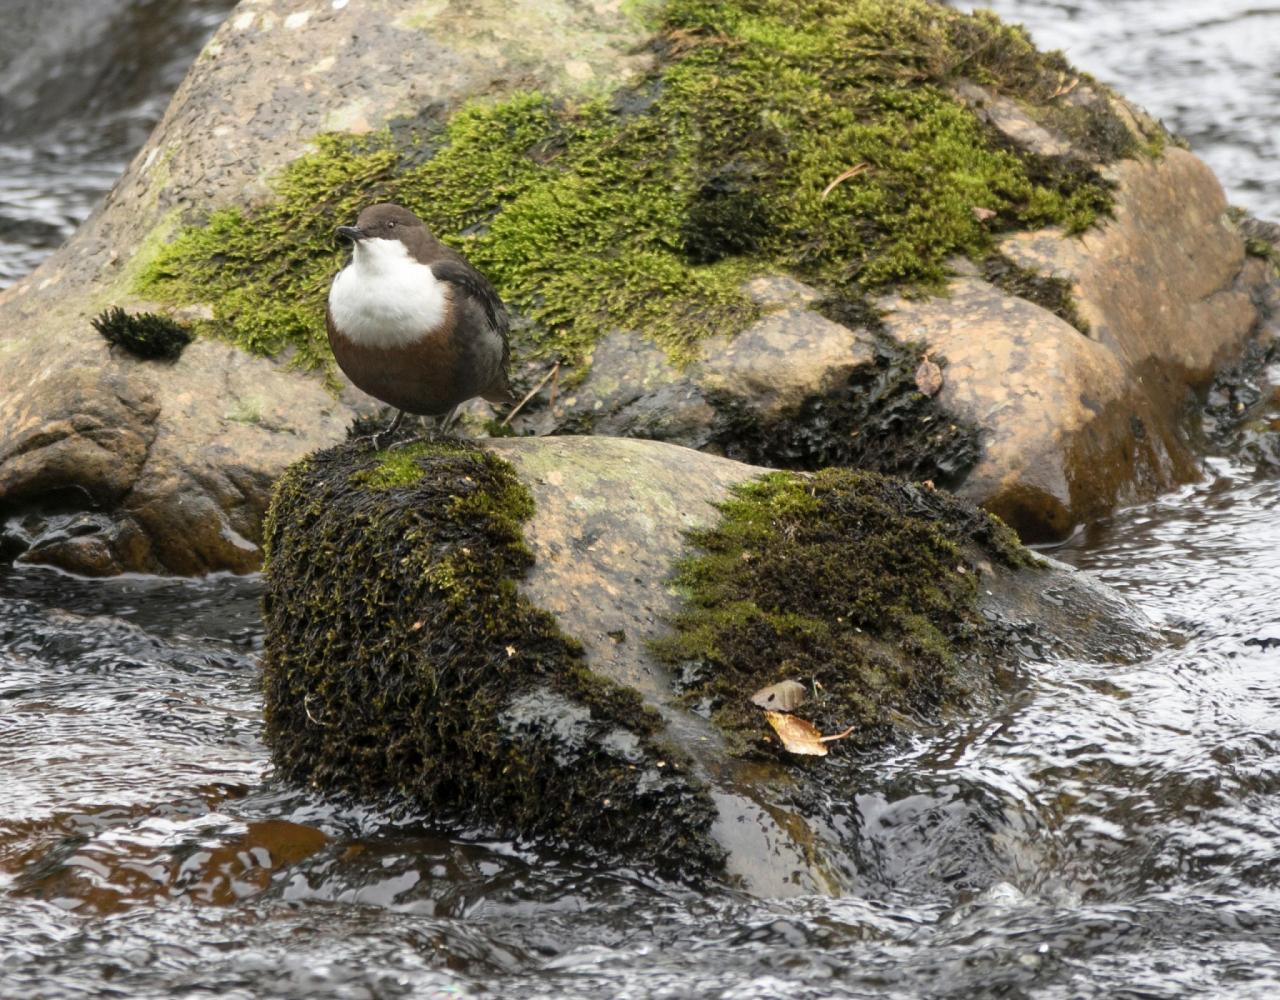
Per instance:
x=386, y=221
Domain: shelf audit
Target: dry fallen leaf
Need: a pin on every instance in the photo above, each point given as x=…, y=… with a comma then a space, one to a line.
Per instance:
x=928, y=377
x=797, y=735
x=802, y=737
x=982, y=214
x=785, y=695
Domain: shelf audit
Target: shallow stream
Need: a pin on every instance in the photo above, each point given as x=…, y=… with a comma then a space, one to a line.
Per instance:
x=1112, y=831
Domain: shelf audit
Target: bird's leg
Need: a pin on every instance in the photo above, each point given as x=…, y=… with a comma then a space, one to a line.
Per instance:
x=384, y=436
x=447, y=421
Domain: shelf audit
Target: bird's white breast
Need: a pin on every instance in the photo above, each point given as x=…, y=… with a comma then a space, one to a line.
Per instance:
x=385, y=298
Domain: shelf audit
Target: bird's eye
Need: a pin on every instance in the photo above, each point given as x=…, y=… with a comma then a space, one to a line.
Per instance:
x=391, y=224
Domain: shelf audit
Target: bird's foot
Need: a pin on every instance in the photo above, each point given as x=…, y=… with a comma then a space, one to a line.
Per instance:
x=416, y=439
x=378, y=441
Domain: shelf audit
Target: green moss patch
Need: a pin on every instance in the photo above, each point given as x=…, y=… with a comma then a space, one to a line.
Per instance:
x=1003, y=57
x=645, y=209
x=862, y=587
x=401, y=660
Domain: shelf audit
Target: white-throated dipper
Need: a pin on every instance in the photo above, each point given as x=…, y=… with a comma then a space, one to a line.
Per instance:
x=412, y=323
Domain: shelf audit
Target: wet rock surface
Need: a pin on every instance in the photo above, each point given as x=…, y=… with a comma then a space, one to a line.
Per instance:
x=1036, y=420
x=576, y=731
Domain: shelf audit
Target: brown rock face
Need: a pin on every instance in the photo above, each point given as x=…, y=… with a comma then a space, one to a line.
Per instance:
x=1074, y=424
x=178, y=459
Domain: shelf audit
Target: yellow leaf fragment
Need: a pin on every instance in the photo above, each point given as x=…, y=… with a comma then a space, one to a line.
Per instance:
x=797, y=736
x=802, y=737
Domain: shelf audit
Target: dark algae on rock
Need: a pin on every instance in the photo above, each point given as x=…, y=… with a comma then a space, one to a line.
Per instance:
x=646, y=208
x=402, y=661
x=878, y=419
x=860, y=586
x=1047, y=291
x=145, y=335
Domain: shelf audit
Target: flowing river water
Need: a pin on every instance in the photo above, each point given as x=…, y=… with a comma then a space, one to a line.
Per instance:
x=1111, y=831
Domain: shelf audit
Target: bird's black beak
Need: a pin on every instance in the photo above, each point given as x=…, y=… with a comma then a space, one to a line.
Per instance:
x=354, y=233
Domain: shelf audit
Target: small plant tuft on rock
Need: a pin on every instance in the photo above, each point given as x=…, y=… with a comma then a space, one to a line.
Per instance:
x=146, y=335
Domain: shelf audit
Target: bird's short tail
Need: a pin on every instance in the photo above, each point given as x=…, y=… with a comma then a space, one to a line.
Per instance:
x=500, y=391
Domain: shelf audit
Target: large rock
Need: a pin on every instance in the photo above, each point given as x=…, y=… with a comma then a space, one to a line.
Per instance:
x=109, y=464
x=401, y=659
x=171, y=465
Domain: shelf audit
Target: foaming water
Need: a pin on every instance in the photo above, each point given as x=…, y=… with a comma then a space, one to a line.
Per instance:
x=1112, y=831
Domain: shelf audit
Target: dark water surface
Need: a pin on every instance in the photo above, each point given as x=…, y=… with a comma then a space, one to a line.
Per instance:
x=82, y=83
x=1111, y=832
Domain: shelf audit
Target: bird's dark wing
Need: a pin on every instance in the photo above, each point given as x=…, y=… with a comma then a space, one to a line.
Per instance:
x=453, y=268
x=457, y=271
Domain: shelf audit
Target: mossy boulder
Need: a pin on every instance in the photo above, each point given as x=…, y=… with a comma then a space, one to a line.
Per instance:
x=401, y=658
x=174, y=464
x=737, y=226
x=555, y=639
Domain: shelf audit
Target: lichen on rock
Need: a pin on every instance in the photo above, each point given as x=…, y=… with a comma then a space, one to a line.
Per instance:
x=646, y=208
x=402, y=661
x=862, y=587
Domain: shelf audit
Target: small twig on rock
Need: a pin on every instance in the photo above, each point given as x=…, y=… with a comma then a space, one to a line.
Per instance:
x=853, y=171
x=306, y=707
x=555, y=369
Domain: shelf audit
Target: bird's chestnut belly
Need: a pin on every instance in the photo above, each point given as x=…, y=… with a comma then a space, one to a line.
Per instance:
x=428, y=377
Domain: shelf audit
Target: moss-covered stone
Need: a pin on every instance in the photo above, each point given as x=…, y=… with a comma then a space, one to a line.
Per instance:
x=862, y=587
x=401, y=660
x=646, y=208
